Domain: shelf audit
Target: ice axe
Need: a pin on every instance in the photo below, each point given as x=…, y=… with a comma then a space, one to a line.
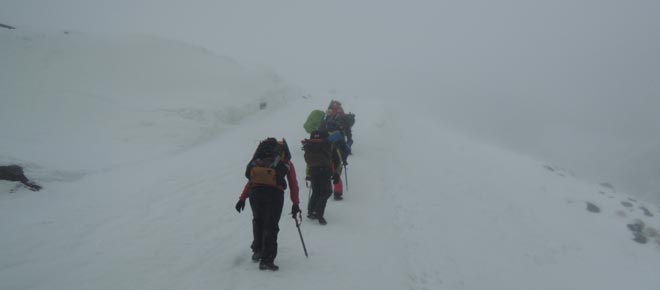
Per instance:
x=298, y=222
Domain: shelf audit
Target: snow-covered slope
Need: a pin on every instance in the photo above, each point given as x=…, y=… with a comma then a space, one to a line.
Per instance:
x=426, y=208
x=480, y=217
x=85, y=103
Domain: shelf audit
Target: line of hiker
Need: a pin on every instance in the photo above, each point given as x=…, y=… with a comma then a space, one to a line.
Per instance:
x=326, y=155
x=270, y=172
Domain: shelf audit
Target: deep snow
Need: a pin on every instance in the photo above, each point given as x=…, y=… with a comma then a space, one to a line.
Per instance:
x=140, y=144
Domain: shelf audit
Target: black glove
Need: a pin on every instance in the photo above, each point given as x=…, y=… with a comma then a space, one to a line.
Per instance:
x=335, y=178
x=240, y=205
x=295, y=209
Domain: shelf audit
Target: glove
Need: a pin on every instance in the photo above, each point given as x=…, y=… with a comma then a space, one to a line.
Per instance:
x=335, y=178
x=295, y=209
x=240, y=205
x=308, y=178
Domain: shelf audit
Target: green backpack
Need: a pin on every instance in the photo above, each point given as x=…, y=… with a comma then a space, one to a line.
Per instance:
x=314, y=120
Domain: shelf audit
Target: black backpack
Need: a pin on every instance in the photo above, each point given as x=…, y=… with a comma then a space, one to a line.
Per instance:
x=346, y=121
x=267, y=166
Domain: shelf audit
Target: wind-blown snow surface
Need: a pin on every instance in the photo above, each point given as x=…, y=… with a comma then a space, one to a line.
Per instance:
x=426, y=208
x=98, y=102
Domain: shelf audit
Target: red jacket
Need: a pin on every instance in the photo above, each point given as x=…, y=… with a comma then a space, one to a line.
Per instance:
x=292, y=180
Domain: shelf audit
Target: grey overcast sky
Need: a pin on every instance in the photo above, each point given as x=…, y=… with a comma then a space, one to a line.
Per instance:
x=576, y=82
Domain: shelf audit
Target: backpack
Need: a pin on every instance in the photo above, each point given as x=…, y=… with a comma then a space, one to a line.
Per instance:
x=313, y=121
x=346, y=121
x=267, y=166
x=318, y=150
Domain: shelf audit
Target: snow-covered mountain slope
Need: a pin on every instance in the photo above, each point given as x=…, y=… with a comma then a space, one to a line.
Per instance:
x=479, y=217
x=426, y=208
x=84, y=103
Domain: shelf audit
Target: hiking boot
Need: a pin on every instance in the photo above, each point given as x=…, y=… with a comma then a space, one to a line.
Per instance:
x=311, y=216
x=338, y=196
x=322, y=221
x=256, y=256
x=268, y=266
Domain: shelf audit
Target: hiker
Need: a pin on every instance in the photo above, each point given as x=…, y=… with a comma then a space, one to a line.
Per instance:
x=336, y=136
x=266, y=173
x=335, y=113
x=345, y=123
x=316, y=118
x=342, y=150
x=320, y=156
x=339, y=127
x=336, y=119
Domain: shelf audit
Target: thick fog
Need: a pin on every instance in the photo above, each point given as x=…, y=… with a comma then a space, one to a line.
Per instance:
x=573, y=82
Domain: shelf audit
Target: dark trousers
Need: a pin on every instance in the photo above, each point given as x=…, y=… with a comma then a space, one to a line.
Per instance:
x=321, y=189
x=266, y=204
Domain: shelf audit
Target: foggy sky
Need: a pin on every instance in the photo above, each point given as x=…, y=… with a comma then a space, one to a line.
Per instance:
x=574, y=82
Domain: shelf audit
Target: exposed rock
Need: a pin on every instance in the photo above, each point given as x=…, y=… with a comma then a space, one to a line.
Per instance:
x=15, y=173
x=592, y=207
x=637, y=228
x=7, y=26
x=640, y=238
x=647, y=212
x=626, y=204
x=607, y=185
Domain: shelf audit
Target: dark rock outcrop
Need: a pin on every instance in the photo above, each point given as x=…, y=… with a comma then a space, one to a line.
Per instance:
x=592, y=208
x=7, y=26
x=15, y=173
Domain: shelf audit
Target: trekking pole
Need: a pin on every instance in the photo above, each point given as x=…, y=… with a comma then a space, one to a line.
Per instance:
x=346, y=176
x=300, y=233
